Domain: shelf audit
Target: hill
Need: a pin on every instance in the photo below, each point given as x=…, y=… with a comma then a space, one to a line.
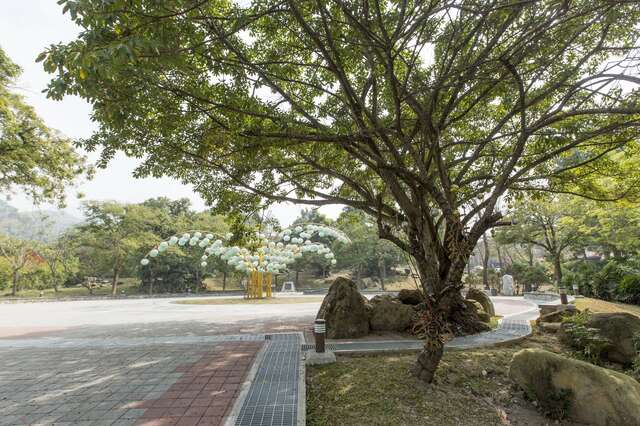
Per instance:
x=43, y=225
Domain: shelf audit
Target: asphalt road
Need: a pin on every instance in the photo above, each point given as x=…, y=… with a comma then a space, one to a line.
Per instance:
x=161, y=316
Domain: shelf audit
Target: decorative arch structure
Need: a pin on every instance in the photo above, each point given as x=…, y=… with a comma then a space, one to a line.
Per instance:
x=262, y=256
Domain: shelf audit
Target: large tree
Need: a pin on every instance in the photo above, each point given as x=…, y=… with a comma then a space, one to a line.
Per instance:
x=34, y=159
x=422, y=114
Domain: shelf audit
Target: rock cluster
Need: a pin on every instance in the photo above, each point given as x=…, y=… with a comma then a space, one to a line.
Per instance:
x=348, y=314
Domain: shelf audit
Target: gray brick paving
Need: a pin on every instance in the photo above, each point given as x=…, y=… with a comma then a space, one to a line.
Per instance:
x=84, y=385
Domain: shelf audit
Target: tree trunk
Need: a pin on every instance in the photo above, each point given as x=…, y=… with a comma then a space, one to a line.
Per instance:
x=557, y=270
x=224, y=280
x=446, y=311
x=114, y=283
x=383, y=273
x=427, y=362
x=14, y=289
x=485, y=263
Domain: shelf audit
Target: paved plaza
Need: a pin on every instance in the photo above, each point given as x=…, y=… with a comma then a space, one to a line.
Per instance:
x=155, y=362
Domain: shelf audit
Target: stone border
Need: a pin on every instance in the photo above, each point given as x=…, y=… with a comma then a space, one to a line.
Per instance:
x=411, y=346
x=302, y=387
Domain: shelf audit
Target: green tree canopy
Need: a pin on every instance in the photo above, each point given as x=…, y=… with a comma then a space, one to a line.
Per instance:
x=113, y=232
x=34, y=159
x=422, y=114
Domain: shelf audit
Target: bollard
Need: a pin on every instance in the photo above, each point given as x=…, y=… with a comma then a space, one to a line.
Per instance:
x=563, y=296
x=319, y=329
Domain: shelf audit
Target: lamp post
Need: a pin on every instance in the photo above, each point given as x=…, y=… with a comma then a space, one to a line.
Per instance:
x=320, y=330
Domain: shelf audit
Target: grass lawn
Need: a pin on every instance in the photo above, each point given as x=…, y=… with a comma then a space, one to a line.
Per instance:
x=493, y=322
x=240, y=301
x=471, y=388
x=595, y=305
x=129, y=285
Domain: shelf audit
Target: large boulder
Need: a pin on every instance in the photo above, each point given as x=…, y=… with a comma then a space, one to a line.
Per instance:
x=617, y=328
x=345, y=310
x=481, y=296
x=410, y=297
x=581, y=391
x=476, y=306
x=388, y=314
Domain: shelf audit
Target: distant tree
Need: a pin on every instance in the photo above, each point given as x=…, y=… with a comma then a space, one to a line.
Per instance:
x=530, y=276
x=367, y=253
x=34, y=159
x=17, y=253
x=610, y=228
x=547, y=223
x=61, y=261
x=113, y=232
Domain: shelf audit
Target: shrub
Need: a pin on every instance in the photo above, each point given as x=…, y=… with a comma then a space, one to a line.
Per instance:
x=606, y=280
x=589, y=343
x=581, y=272
x=628, y=290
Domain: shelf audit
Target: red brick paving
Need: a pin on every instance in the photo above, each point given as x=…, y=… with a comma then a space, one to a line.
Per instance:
x=207, y=390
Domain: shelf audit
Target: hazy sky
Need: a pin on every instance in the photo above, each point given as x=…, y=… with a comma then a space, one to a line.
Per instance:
x=26, y=28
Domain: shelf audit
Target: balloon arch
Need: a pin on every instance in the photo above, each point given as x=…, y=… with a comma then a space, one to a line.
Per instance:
x=262, y=256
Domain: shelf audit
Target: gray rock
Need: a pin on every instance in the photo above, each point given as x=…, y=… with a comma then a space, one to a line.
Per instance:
x=618, y=328
x=549, y=327
x=410, y=297
x=557, y=314
x=481, y=296
x=584, y=392
x=388, y=314
x=345, y=310
x=549, y=309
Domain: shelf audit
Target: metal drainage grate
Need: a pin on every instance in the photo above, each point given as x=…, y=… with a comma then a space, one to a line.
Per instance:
x=273, y=395
x=311, y=347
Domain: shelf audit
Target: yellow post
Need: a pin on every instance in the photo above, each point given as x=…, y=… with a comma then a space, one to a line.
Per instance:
x=255, y=284
x=268, y=284
x=259, y=287
x=252, y=285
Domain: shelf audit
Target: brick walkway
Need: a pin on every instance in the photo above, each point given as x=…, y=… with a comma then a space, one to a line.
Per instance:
x=205, y=393
x=148, y=384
